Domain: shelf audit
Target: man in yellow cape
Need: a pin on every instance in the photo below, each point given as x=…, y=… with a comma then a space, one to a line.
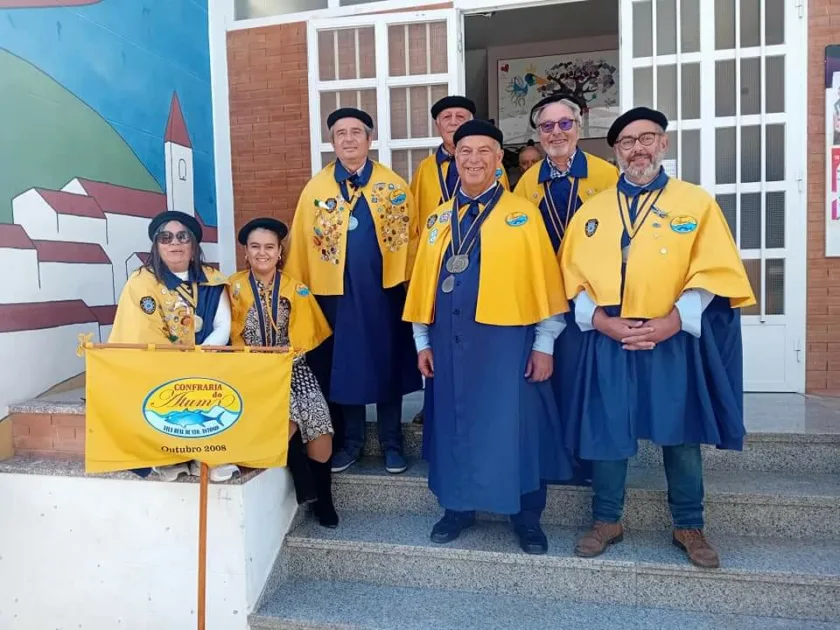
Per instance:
x=559, y=184
x=353, y=242
x=658, y=283
x=486, y=300
x=436, y=179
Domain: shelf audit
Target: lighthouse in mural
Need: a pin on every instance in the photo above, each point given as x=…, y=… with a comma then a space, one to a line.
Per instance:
x=180, y=194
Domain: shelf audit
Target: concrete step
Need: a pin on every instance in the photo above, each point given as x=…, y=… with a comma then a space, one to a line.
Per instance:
x=325, y=605
x=791, y=505
x=775, y=577
x=806, y=451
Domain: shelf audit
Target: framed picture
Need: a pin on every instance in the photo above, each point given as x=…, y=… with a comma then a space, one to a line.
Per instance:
x=832, y=145
x=592, y=76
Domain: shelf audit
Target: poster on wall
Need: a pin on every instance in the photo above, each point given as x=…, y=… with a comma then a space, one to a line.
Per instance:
x=832, y=143
x=592, y=76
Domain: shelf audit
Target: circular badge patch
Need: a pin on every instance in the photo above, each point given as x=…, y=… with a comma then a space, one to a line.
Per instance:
x=148, y=304
x=684, y=224
x=444, y=217
x=433, y=236
x=515, y=219
x=431, y=221
x=499, y=172
x=193, y=407
x=398, y=197
x=302, y=290
x=591, y=227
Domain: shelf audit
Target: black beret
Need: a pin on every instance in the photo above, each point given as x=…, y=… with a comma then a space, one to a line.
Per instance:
x=477, y=127
x=631, y=116
x=349, y=112
x=188, y=221
x=265, y=223
x=452, y=101
x=555, y=98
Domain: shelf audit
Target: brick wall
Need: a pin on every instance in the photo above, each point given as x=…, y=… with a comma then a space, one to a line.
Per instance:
x=269, y=127
x=823, y=351
x=49, y=435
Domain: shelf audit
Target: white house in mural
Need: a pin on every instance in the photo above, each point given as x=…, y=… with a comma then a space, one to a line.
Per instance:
x=72, y=251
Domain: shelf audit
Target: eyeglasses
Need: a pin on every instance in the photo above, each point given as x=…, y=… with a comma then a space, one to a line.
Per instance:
x=564, y=123
x=646, y=139
x=166, y=237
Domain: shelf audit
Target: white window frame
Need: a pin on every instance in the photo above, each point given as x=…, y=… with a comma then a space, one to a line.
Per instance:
x=794, y=185
x=383, y=83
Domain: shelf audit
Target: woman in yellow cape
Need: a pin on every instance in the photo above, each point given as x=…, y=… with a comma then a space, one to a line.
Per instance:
x=175, y=298
x=271, y=309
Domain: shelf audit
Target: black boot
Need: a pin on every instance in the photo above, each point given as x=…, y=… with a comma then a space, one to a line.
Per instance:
x=324, y=509
x=298, y=464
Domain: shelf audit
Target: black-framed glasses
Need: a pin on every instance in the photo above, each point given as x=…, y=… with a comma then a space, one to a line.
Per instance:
x=645, y=139
x=166, y=237
x=564, y=123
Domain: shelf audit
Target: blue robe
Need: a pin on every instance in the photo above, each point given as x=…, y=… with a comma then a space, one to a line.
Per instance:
x=684, y=391
x=567, y=348
x=492, y=436
x=370, y=358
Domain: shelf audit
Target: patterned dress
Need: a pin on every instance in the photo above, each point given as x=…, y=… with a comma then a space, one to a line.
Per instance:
x=308, y=407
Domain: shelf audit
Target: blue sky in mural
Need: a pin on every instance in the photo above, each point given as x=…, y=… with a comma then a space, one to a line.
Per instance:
x=125, y=58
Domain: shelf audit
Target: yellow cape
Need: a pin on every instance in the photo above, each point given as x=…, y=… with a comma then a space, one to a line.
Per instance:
x=600, y=175
x=318, y=239
x=308, y=327
x=425, y=186
x=690, y=247
x=520, y=282
x=148, y=312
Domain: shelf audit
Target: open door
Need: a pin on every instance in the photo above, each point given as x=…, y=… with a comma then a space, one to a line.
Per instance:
x=394, y=66
x=728, y=74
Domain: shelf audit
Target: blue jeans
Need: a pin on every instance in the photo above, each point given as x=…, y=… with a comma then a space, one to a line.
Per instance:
x=388, y=419
x=684, y=471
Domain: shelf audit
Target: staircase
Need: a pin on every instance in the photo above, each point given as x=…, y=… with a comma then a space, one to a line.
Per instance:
x=772, y=511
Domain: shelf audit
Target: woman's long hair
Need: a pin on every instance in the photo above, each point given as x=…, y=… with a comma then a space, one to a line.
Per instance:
x=156, y=265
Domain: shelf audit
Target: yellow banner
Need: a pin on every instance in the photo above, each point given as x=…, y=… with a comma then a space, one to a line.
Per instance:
x=160, y=407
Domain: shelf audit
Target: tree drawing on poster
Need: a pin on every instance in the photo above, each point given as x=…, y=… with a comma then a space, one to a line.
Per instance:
x=591, y=76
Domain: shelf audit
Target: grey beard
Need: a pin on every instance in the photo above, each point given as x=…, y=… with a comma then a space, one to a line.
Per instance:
x=643, y=174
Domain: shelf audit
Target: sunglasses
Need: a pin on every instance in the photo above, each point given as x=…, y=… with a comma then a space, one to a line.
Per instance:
x=166, y=237
x=564, y=123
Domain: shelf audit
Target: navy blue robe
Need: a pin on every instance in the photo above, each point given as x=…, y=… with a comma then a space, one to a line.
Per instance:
x=567, y=348
x=687, y=390
x=370, y=358
x=492, y=436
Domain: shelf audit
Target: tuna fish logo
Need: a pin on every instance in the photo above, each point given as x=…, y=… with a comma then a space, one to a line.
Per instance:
x=192, y=407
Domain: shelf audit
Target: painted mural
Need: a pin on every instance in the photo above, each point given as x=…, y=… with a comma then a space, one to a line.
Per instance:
x=105, y=121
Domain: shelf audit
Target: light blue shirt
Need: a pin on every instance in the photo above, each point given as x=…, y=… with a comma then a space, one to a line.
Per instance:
x=691, y=305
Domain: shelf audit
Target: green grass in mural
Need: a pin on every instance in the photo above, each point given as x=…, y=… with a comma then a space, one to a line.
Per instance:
x=48, y=136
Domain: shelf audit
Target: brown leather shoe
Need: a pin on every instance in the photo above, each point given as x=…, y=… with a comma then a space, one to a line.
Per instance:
x=596, y=540
x=697, y=548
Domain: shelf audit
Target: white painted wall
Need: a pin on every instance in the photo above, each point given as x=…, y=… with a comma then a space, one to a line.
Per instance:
x=22, y=285
x=82, y=229
x=270, y=506
x=126, y=235
x=179, y=178
x=93, y=283
x=220, y=16
x=30, y=211
x=32, y=374
x=101, y=554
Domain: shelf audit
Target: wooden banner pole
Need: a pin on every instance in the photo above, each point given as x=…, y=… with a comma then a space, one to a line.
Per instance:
x=202, y=547
x=170, y=346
